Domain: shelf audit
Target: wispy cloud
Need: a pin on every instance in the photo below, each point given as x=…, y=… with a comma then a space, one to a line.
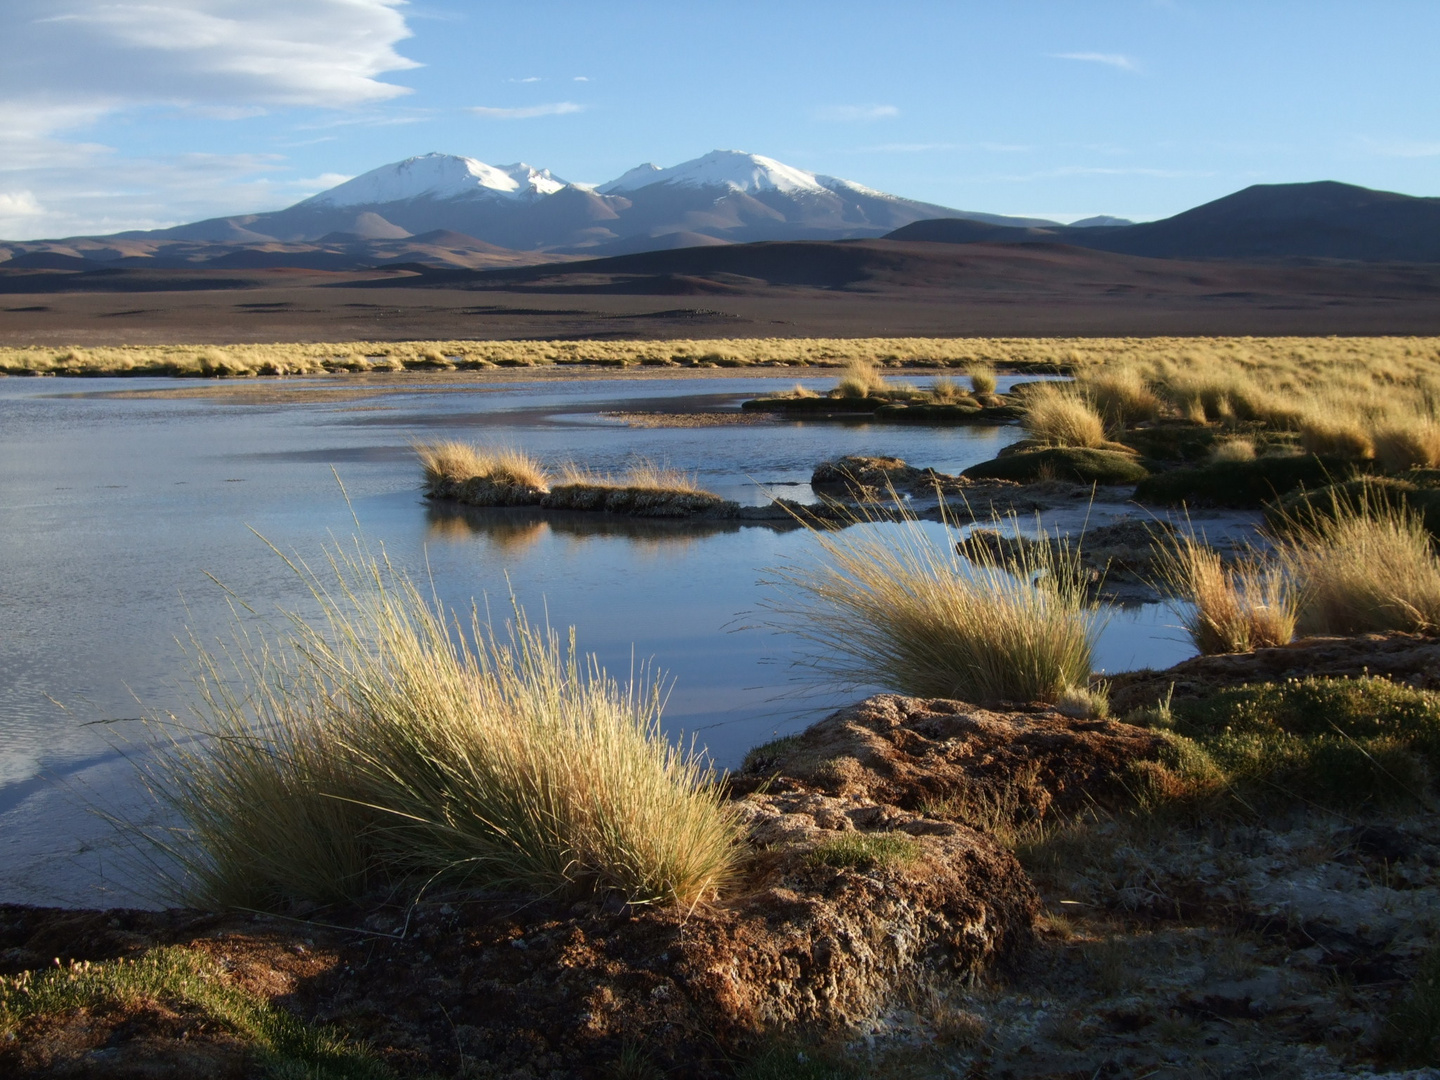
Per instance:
x=1400, y=148
x=527, y=79
x=526, y=112
x=853, y=114
x=1115, y=60
x=581, y=78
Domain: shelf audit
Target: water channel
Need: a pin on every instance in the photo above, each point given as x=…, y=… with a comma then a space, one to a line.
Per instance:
x=124, y=501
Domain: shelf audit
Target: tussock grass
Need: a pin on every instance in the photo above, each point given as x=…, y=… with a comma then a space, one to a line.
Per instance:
x=1233, y=450
x=189, y=982
x=1121, y=396
x=1340, y=436
x=1057, y=415
x=889, y=606
x=1363, y=566
x=946, y=391
x=447, y=464
x=982, y=378
x=861, y=379
x=384, y=744
x=1228, y=609
x=1412, y=446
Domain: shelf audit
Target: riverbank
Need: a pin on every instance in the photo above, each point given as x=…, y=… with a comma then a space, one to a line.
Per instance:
x=931, y=887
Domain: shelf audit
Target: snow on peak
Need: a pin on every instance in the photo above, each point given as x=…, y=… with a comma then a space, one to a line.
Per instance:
x=731, y=169
x=439, y=176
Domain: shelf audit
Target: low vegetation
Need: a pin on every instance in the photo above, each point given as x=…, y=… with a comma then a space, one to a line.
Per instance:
x=196, y=987
x=899, y=608
x=382, y=746
x=447, y=465
x=1058, y=415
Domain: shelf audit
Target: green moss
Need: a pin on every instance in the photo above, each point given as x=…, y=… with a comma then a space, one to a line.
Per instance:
x=864, y=850
x=1242, y=483
x=187, y=981
x=765, y=757
x=1189, y=443
x=1338, y=742
x=1062, y=463
x=794, y=1062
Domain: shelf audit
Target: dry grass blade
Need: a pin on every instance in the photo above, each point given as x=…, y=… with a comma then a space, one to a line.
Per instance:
x=890, y=606
x=375, y=748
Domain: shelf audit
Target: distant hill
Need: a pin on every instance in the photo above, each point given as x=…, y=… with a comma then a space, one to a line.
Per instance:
x=1322, y=220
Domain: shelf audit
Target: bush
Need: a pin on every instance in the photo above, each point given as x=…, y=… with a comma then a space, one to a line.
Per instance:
x=891, y=607
x=1062, y=463
x=376, y=748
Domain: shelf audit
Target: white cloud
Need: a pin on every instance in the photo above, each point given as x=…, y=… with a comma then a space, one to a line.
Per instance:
x=857, y=113
x=526, y=112
x=580, y=78
x=527, y=79
x=71, y=65
x=1116, y=60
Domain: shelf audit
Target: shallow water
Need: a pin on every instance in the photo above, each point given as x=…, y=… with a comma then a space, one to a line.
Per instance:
x=115, y=507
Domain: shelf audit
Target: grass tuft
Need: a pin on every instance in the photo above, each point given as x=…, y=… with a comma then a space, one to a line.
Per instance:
x=1059, y=416
x=1122, y=397
x=889, y=606
x=1364, y=566
x=982, y=378
x=860, y=379
x=384, y=744
x=449, y=464
x=862, y=851
x=1228, y=609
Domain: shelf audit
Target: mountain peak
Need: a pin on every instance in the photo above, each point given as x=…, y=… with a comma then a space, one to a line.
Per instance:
x=438, y=176
x=733, y=169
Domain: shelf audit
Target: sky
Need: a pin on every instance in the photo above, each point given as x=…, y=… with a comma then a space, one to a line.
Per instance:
x=134, y=114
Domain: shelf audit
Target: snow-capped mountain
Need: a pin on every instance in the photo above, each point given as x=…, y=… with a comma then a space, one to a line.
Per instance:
x=439, y=176
x=726, y=196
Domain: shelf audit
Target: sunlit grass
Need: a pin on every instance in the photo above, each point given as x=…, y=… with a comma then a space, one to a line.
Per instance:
x=889, y=605
x=1228, y=609
x=383, y=744
x=449, y=464
x=1057, y=415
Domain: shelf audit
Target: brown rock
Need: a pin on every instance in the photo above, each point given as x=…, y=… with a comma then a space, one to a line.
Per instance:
x=918, y=753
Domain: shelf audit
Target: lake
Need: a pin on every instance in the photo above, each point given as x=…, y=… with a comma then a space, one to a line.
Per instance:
x=122, y=497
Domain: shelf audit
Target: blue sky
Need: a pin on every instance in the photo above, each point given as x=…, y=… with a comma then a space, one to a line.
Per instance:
x=118, y=115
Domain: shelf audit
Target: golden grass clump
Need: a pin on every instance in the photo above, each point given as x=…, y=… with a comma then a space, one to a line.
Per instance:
x=1233, y=450
x=1229, y=609
x=982, y=378
x=1408, y=446
x=1363, y=567
x=891, y=606
x=450, y=463
x=946, y=391
x=1057, y=415
x=861, y=379
x=383, y=745
x=1121, y=396
x=1338, y=435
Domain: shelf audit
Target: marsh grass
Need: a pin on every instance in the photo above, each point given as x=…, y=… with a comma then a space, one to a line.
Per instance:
x=887, y=605
x=190, y=983
x=1237, y=449
x=450, y=463
x=982, y=378
x=860, y=379
x=384, y=744
x=1121, y=396
x=1057, y=415
x=1363, y=566
x=1415, y=445
x=642, y=474
x=1226, y=609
